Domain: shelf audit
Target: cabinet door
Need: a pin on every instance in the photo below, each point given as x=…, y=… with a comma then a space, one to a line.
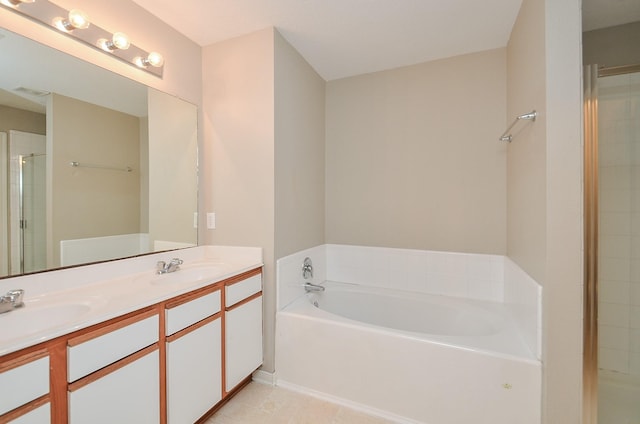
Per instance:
x=194, y=368
x=243, y=341
x=130, y=394
x=40, y=415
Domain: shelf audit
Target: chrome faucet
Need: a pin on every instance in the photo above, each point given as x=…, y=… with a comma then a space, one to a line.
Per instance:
x=310, y=287
x=307, y=268
x=164, y=268
x=11, y=300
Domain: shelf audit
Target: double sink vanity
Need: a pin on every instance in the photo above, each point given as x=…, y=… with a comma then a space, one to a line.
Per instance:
x=125, y=341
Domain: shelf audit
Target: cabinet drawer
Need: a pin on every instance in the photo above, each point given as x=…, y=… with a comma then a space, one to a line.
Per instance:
x=91, y=355
x=189, y=313
x=236, y=292
x=24, y=383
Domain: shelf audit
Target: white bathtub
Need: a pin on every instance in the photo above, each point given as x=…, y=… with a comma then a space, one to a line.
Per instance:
x=410, y=357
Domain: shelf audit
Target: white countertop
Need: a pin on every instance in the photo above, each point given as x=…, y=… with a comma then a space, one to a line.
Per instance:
x=62, y=301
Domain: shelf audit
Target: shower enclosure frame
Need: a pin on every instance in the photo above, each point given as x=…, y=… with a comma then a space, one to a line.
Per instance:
x=21, y=145
x=591, y=216
x=590, y=313
x=24, y=223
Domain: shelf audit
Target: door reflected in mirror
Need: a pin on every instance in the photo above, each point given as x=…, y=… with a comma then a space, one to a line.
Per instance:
x=93, y=166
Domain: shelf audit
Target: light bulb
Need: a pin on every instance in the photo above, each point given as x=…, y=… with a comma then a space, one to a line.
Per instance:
x=15, y=3
x=79, y=19
x=76, y=19
x=119, y=40
x=155, y=59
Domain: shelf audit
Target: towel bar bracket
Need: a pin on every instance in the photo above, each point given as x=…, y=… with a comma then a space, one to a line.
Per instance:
x=507, y=136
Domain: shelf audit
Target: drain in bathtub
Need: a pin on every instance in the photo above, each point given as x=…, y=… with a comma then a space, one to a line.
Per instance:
x=315, y=303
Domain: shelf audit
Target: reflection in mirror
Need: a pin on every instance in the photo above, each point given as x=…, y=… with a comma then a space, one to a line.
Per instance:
x=93, y=166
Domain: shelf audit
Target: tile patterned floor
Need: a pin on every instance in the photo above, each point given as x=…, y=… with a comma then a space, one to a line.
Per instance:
x=263, y=404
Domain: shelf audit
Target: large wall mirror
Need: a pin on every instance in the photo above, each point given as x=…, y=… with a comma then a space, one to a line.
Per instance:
x=93, y=166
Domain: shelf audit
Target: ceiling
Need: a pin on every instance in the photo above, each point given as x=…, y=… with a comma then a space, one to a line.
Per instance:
x=341, y=38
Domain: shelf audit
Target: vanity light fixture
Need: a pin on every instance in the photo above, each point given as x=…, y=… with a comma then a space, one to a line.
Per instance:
x=76, y=19
x=76, y=24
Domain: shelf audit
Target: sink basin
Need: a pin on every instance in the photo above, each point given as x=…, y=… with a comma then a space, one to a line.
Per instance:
x=34, y=318
x=187, y=275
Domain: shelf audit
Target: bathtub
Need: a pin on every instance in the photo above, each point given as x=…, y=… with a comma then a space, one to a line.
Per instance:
x=409, y=357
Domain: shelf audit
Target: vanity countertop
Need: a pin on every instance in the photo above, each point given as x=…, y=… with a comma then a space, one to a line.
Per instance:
x=62, y=301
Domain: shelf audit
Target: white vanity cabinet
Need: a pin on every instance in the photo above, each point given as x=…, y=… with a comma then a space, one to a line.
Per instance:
x=114, y=372
x=243, y=329
x=170, y=362
x=194, y=356
x=25, y=389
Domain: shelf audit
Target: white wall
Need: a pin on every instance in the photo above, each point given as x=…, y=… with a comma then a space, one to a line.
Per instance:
x=299, y=152
x=413, y=157
x=544, y=188
x=238, y=106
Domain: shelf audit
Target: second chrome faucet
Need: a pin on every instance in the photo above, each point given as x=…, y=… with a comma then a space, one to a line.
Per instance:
x=164, y=268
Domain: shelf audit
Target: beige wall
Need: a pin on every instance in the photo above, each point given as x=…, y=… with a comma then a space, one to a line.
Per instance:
x=413, y=157
x=88, y=202
x=299, y=152
x=544, y=188
x=238, y=106
x=22, y=120
x=562, y=295
x=264, y=127
x=526, y=170
x=613, y=46
x=173, y=150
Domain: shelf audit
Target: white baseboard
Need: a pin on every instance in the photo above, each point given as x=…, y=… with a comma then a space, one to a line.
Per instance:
x=264, y=377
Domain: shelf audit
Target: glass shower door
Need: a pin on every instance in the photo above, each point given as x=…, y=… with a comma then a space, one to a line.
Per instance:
x=618, y=122
x=32, y=213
